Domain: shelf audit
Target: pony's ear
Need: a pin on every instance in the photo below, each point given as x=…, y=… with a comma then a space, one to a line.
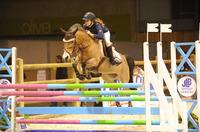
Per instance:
x=69, y=37
x=75, y=26
x=73, y=32
x=63, y=30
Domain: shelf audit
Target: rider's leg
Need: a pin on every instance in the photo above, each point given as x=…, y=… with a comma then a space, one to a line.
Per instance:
x=116, y=55
x=113, y=60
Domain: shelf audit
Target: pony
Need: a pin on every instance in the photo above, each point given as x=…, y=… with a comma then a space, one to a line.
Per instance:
x=89, y=56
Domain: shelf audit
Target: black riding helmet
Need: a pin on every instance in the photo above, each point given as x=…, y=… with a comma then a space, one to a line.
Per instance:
x=89, y=16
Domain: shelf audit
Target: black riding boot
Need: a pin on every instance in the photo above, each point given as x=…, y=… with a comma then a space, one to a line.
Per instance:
x=113, y=60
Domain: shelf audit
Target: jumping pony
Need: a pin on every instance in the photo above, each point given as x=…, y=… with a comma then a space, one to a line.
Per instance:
x=89, y=56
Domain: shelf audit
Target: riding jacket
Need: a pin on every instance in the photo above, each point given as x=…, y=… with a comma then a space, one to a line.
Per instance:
x=97, y=30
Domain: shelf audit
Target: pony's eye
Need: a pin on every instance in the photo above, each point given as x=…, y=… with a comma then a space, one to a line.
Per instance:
x=72, y=41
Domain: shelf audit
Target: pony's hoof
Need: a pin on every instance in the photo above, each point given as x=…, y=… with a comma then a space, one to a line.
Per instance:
x=88, y=77
x=118, y=104
x=81, y=77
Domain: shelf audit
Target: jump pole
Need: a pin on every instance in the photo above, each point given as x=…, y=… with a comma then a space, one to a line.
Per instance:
x=113, y=122
x=71, y=86
x=86, y=99
x=72, y=93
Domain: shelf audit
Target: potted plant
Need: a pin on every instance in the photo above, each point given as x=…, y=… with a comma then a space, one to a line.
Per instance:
x=190, y=125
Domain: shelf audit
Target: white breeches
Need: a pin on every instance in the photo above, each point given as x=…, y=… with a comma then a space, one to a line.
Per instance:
x=107, y=39
x=108, y=43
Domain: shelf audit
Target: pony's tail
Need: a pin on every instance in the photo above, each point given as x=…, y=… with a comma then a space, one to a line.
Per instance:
x=131, y=64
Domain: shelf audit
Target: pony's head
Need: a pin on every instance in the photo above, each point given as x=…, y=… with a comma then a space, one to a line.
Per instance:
x=69, y=41
x=68, y=50
x=75, y=39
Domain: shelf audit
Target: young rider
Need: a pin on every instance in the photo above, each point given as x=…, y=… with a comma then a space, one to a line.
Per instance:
x=97, y=29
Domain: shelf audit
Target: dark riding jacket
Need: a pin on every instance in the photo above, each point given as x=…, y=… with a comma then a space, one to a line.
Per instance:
x=97, y=30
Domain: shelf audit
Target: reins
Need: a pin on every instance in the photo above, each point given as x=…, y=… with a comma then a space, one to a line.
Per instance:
x=81, y=44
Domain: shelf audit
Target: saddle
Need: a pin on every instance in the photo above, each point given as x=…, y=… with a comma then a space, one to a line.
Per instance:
x=104, y=57
x=104, y=48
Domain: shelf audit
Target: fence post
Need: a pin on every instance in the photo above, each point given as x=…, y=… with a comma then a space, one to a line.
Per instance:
x=20, y=77
x=13, y=98
x=75, y=104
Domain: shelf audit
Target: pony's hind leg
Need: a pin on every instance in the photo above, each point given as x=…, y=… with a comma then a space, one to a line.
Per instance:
x=118, y=104
x=130, y=104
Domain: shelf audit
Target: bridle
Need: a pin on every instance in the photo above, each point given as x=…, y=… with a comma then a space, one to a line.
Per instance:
x=67, y=49
x=77, y=46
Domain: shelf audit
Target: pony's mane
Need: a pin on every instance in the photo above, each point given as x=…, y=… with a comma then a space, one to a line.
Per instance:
x=82, y=33
x=82, y=30
x=75, y=26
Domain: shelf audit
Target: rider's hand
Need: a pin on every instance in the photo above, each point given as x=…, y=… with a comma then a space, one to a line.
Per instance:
x=90, y=34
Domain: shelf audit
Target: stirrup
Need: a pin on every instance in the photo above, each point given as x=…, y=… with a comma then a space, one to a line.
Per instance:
x=116, y=61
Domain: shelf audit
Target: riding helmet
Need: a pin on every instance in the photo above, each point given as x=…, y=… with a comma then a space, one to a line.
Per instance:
x=89, y=16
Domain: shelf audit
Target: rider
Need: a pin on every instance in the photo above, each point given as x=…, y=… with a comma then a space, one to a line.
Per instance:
x=97, y=29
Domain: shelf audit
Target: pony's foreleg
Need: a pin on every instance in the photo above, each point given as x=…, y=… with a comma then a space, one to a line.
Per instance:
x=81, y=77
x=78, y=75
x=86, y=73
